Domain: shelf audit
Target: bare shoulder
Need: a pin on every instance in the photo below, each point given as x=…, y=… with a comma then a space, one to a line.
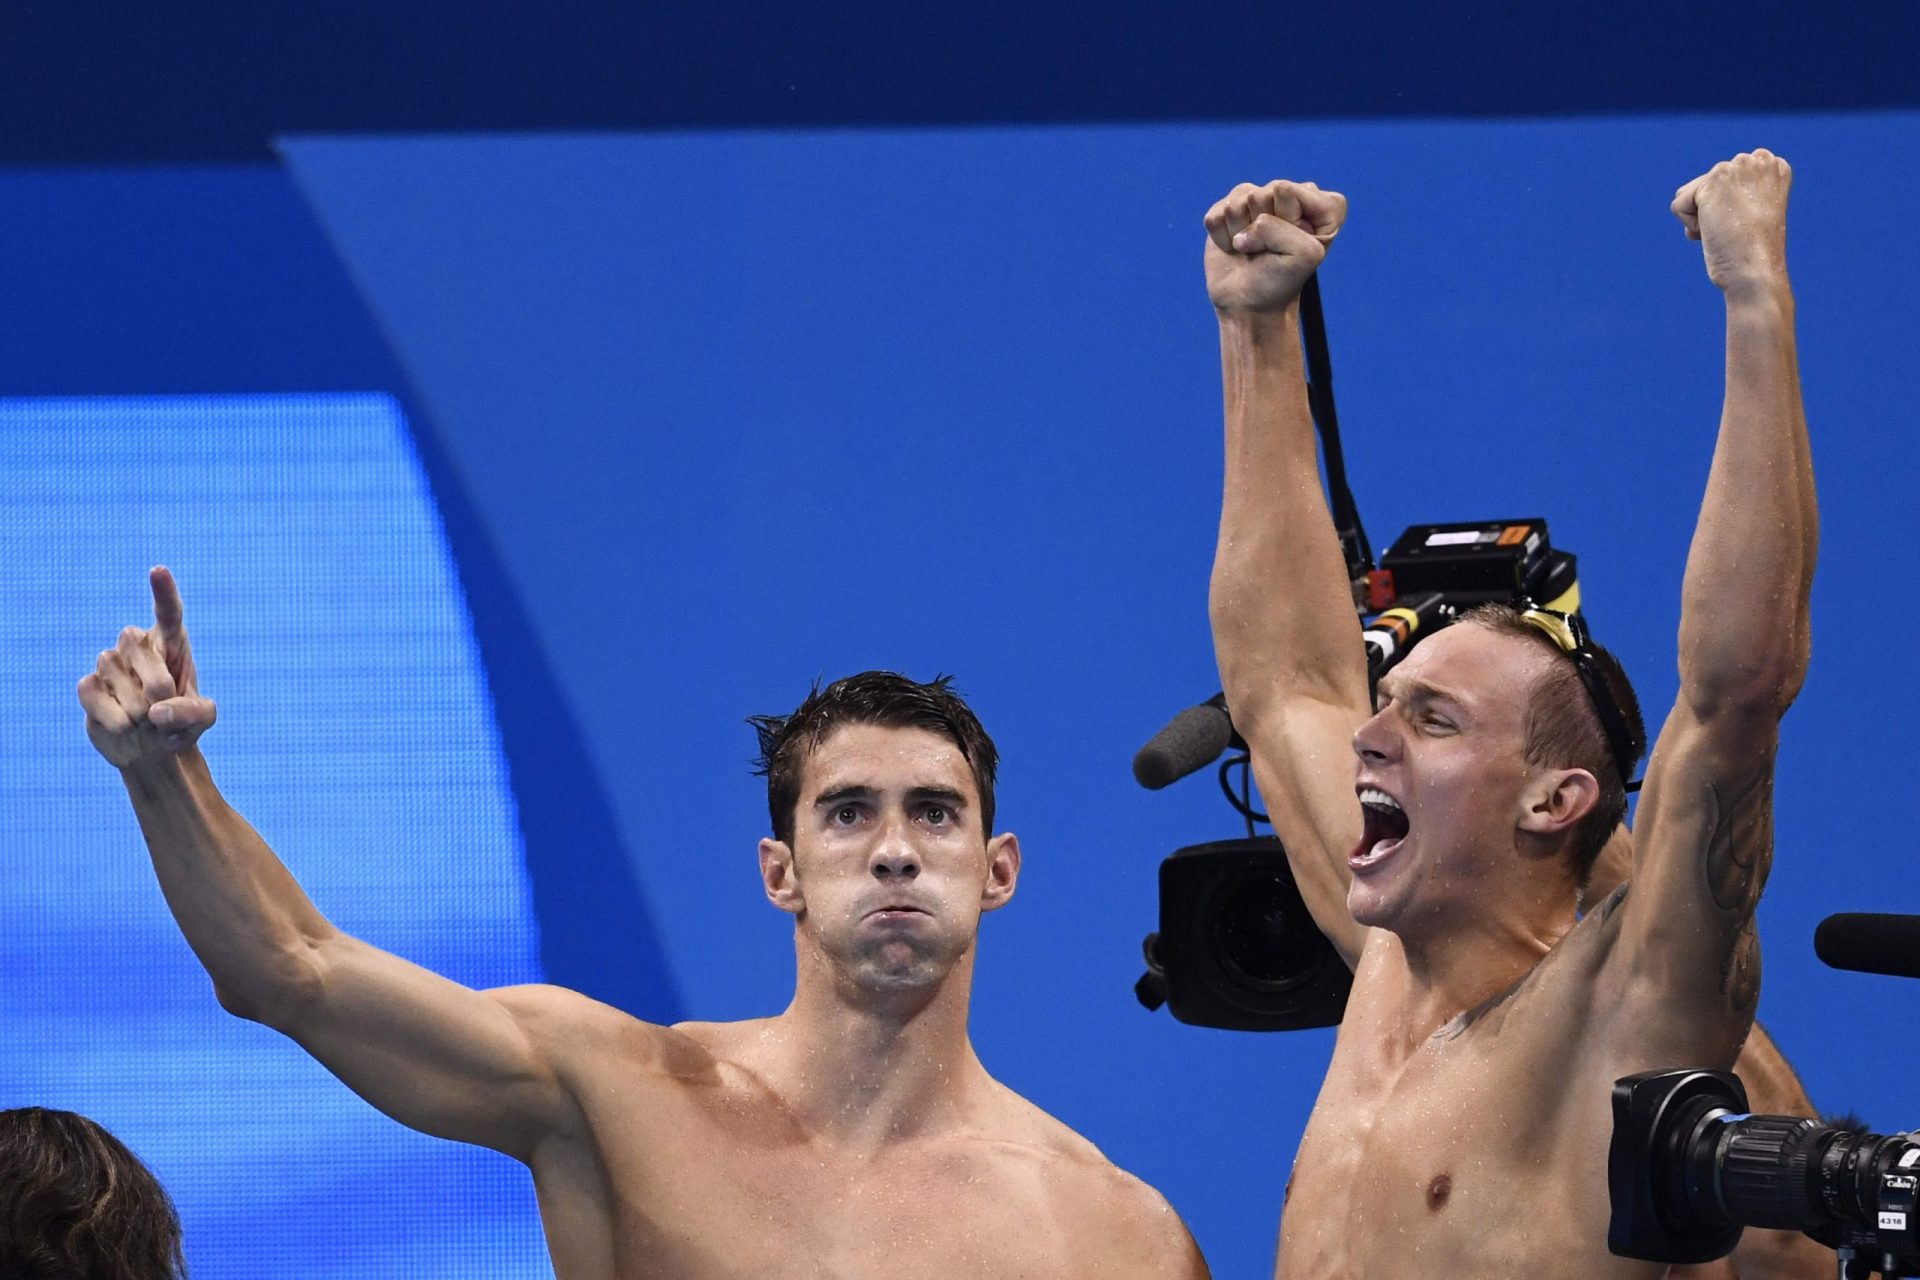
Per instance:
x=576, y=1030
x=1120, y=1223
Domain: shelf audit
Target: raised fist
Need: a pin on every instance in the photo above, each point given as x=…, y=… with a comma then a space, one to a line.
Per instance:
x=1263, y=243
x=142, y=699
x=1737, y=210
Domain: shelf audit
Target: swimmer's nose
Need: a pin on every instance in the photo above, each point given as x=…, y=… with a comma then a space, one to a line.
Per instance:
x=894, y=855
x=1373, y=741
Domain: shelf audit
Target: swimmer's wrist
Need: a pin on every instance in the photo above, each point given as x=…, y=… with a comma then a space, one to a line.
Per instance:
x=1257, y=328
x=163, y=773
x=1760, y=293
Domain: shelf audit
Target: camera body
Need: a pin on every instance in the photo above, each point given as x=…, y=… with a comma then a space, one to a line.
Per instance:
x=1236, y=948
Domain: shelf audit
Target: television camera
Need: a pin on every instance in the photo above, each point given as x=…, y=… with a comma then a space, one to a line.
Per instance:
x=1689, y=1168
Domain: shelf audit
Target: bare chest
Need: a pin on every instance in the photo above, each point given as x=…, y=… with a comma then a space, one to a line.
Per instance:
x=1471, y=1158
x=717, y=1187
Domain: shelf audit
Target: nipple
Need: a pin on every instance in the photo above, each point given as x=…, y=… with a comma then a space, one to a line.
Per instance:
x=1438, y=1191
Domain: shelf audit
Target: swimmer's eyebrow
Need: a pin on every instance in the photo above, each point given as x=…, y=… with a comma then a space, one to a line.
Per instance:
x=1398, y=686
x=915, y=795
x=843, y=795
x=937, y=795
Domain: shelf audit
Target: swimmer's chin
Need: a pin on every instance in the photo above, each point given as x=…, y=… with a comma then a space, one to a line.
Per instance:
x=1369, y=908
x=896, y=965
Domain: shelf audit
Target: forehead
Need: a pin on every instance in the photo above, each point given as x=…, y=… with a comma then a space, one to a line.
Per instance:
x=1484, y=670
x=885, y=758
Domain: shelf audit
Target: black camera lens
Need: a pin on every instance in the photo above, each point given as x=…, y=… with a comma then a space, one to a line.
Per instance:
x=1689, y=1167
x=1256, y=935
x=1237, y=947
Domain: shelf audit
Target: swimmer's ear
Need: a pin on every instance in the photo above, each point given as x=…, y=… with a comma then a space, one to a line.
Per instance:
x=778, y=879
x=1557, y=800
x=1003, y=871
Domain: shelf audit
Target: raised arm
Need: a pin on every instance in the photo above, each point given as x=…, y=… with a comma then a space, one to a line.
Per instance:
x=1704, y=833
x=1284, y=629
x=431, y=1053
x=1772, y=1089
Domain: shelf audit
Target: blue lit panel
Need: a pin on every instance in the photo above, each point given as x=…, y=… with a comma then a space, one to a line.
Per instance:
x=356, y=732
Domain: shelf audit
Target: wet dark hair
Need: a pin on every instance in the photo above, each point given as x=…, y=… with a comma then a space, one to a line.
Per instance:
x=75, y=1204
x=1564, y=730
x=872, y=697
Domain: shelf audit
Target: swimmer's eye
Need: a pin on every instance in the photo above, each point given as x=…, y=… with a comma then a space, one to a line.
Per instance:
x=937, y=815
x=846, y=815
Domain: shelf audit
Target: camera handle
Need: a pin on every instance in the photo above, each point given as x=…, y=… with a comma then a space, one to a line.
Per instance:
x=1852, y=1268
x=1346, y=516
x=1855, y=1267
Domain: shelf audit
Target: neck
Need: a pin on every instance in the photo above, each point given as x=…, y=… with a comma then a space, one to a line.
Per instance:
x=867, y=1067
x=1454, y=972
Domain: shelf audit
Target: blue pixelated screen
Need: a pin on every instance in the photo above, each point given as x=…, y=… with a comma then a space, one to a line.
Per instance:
x=356, y=732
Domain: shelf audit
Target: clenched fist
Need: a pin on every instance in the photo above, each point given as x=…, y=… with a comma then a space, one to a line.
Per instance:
x=1263, y=243
x=143, y=700
x=1737, y=210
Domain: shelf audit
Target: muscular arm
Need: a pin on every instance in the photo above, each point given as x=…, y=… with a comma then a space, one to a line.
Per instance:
x=1704, y=834
x=1772, y=1089
x=1284, y=629
x=431, y=1053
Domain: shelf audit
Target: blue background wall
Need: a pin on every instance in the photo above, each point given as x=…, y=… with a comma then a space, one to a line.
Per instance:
x=324, y=594
x=705, y=416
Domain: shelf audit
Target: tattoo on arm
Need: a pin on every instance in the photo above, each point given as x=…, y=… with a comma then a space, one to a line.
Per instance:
x=1739, y=855
x=1740, y=975
x=1740, y=840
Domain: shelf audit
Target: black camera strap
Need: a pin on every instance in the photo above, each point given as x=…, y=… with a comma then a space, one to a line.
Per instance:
x=1346, y=516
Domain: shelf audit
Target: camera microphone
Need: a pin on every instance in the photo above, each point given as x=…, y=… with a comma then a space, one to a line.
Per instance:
x=1867, y=942
x=1199, y=735
x=1191, y=741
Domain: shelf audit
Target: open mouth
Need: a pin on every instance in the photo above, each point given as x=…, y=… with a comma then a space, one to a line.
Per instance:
x=1385, y=828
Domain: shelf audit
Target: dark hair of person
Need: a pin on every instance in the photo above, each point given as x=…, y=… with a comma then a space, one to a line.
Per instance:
x=1564, y=731
x=872, y=697
x=75, y=1204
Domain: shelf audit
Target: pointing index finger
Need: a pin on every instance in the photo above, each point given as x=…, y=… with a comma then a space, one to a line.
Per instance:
x=168, y=613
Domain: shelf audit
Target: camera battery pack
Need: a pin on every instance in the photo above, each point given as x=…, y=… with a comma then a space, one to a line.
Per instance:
x=1488, y=560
